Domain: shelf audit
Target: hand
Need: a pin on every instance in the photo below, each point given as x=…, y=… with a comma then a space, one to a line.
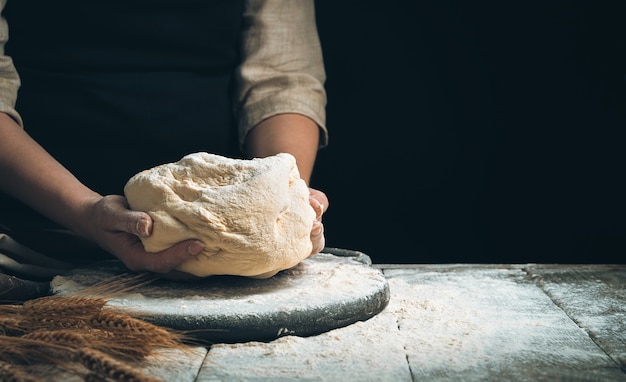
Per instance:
x=319, y=202
x=117, y=230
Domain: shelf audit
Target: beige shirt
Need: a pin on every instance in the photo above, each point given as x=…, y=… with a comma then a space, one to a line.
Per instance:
x=282, y=68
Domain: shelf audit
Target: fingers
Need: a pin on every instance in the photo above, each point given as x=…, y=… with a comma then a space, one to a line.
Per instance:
x=317, y=237
x=165, y=261
x=171, y=258
x=319, y=202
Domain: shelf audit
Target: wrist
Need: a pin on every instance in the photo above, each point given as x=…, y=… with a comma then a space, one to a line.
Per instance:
x=83, y=218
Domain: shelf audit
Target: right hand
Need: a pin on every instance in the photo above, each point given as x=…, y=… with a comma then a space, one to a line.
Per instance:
x=319, y=202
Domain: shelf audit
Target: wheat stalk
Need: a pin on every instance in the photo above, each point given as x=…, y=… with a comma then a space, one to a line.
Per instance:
x=20, y=350
x=12, y=373
x=78, y=328
x=108, y=367
x=120, y=345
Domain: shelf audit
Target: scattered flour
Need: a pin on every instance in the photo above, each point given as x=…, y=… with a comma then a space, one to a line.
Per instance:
x=468, y=324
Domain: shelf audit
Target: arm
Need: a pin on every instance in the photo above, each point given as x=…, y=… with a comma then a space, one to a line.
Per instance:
x=280, y=96
x=292, y=133
x=30, y=174
x=26, y=169
x=280, y=83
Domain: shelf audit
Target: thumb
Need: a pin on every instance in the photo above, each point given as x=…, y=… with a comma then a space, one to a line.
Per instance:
x=139, y=224
x=117, y=216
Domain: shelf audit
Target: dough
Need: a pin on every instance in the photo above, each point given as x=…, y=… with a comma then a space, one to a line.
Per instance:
x=253, y=216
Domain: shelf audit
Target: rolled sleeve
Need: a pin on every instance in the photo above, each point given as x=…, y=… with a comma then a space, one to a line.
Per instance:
x=9, y=79
x=282, y=68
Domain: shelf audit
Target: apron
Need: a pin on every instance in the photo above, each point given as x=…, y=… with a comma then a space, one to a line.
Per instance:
x=113, y=87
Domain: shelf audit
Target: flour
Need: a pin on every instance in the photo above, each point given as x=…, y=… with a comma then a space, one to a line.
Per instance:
x=316, y=282
x=363, y=351
x=450, y=324
x=458, y=324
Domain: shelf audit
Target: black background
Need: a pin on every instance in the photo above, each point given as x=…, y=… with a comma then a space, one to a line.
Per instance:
x=475, y=131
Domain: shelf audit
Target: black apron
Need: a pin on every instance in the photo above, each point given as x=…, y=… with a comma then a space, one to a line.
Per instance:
x=112, y=87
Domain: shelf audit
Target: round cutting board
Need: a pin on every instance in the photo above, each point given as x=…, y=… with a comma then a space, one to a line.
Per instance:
x=332, y=289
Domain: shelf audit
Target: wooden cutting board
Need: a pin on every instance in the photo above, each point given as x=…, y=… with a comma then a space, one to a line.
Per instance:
x=332, y=289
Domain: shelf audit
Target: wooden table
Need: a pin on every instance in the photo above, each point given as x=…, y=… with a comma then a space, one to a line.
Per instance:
x=449, y=322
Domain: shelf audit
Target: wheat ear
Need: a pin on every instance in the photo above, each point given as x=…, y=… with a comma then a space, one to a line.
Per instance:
x=120, y=323
x=12, y=326
x=58, y=305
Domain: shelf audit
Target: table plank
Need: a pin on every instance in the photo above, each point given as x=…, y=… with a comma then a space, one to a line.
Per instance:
x=594, y=296
x=364, y=351
x=474, y=322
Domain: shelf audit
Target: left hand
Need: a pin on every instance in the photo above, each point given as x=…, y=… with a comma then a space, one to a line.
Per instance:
x=118, y=230
x=319, y=202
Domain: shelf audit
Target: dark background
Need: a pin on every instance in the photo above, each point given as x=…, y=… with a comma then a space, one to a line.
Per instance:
x=475, y=131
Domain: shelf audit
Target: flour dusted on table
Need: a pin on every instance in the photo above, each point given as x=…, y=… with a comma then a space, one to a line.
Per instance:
x=253, y=216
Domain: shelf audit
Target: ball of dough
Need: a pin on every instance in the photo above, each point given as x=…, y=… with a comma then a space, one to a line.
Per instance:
x=253, y=216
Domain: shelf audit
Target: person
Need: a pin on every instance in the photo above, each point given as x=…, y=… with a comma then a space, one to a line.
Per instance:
x=93, y=92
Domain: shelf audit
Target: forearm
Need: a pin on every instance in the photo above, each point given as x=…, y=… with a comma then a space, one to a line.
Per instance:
x=289, y=133
x=281, y=75
x=30, y=174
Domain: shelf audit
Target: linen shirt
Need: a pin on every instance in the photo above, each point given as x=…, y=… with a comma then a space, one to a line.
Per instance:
x=281, y=69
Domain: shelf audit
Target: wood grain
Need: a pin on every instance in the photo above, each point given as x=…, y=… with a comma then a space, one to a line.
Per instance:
x=594, y=296
x=475, y=322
